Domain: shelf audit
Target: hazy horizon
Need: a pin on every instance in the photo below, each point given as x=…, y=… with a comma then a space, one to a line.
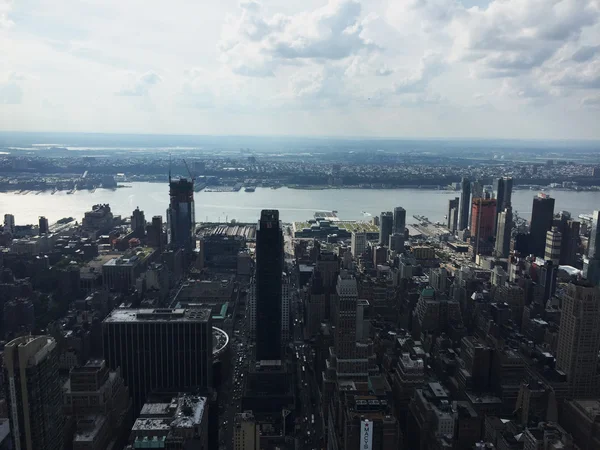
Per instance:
x=354, y=69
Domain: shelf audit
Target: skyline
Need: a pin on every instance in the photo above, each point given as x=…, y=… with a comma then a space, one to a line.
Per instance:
x=427, y=69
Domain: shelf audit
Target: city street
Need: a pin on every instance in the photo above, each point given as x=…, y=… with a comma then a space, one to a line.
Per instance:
x=230, y=400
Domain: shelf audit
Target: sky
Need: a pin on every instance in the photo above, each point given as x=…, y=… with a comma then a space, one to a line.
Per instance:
x=382, y=68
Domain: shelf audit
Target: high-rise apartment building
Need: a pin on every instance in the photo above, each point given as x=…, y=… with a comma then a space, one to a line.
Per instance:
x=358, y=243
x=386, y=227
x=246, y=432
x=138, y=222
x=269, y=269
x=542, y=215
x=483, y=213
x=507, y=189
x=465, y=204
x=43, y=225
x=579, y=339
x=34, y=393
x=154, y=233
x=353, y=352
x=503, y=188
x=570, y=242
x=159, y=349
x=477, y=190
x=452, y=216
x=9, y=223
x=553, y=241
x=503, y=232
x=181, y=215
x=399, y=220
x=593, y=250
x=98, y=401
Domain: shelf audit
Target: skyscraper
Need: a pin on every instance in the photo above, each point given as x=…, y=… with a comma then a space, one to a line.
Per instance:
x=483, y=213
x=570, y=243
x=9, y=223
x=465, y=204
x=386, y=227
x=503, y=188
x=43, y=225
x=181, y=217
x=542, y=215
x=399, y=220
x=138, y=222
x=269, y=268
x=503, y=232
x=159, y=349
x=579, y=339
x=154, y=232
x=358, y=243
x=593, y=251
x=591, y=263
x=553, y=241
x=452, y=222
x=34, y=393
x=477, y=189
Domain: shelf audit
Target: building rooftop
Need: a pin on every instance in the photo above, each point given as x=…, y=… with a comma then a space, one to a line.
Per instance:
x=88, y=428
x=144, y=315
x=131, y=258
x=220, y=341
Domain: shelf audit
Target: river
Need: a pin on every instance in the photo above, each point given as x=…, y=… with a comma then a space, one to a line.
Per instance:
x=293, y=204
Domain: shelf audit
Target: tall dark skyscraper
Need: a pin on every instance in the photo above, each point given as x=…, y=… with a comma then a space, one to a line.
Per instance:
x=159, y=349
x=138, y=222
x=542, y=215
x=181, y=217
x=43, y=224
x=386, y=227
x=465, y=204
x=503, y=188
x=34, y=393
x=452, y=222
x=399, y=220
x=269, y=269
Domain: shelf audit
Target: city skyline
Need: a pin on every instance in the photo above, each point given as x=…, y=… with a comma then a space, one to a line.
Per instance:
x=304, y=68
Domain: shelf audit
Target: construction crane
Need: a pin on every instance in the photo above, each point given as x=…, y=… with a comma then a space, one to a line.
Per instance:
x=189, y=171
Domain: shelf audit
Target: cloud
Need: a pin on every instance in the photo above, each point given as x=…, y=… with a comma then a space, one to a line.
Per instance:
x=384, y=71
x=256, y=45
x=196, y=89
x=430, y=66
x=141, y=85
x=593, y=101
x=5, y=8
x=581, y=76
x=585, y=53
x=513, y=37
x=10, y=94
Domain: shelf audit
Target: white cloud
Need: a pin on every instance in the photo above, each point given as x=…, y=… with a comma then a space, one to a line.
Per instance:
x=593, y=101
x=313, y=66
x=255, y=44
x=430, y=66
x=5, y=21
x=141, y=86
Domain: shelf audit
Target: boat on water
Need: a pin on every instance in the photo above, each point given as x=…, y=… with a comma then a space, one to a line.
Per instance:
x=249, y=189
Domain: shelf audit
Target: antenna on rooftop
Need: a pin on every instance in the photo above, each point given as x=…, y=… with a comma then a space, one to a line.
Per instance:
x=169, y=168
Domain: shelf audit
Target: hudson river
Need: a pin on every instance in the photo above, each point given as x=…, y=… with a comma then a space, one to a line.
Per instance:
x=293, y=204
